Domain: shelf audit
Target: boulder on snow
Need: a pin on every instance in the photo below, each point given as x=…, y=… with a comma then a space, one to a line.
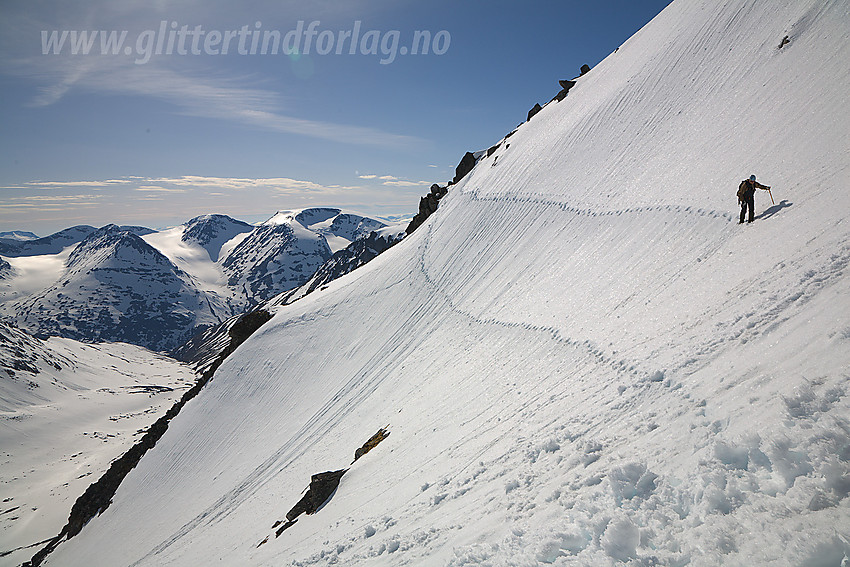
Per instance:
x=585, y=69
x=534, y=110
x=371, y=443
x=322, y=487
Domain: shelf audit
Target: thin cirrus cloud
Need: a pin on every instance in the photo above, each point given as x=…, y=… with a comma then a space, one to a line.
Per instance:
x=185, y=183
x=221, y=98
x=121, y=200
x=393, y=181
x=278, y=184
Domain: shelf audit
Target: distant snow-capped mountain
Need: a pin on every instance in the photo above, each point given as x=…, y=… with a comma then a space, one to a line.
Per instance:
x=158, y=289
x=19, y=235
x=211, y=232
x=279, y=254
x=340, y=228
x=116, y=287
x=55, y=243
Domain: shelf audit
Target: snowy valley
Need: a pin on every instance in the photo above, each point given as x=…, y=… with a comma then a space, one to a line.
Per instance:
x=66, y=410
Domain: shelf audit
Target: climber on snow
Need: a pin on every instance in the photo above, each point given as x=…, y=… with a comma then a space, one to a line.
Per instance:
x=746, y=196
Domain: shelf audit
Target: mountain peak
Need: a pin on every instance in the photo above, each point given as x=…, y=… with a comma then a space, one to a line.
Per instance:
x=113, y=241
x=212, y=231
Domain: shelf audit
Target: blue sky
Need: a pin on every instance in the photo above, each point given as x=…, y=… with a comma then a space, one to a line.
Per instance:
x=157, y=137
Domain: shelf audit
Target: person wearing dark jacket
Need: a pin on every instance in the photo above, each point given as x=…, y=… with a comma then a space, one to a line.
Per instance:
x=746, y=196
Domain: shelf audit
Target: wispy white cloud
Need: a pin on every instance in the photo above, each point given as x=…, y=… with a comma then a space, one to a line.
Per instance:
x=405, y=183
x=158, y=189
x=281, y=184
x=209, y=96
x=91, y=184
x=393, y=181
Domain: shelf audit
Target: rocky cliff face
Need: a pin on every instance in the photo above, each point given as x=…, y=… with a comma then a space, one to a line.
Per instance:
x=5, y=268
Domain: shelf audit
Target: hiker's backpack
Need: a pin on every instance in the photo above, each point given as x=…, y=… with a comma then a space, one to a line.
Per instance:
x=743, y=189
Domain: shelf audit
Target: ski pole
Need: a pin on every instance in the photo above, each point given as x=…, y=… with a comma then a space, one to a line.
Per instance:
x=771, y=196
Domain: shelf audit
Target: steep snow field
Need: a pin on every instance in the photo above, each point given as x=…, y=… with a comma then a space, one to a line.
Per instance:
x=582, y=358
x=61, y=426
x=31, y=274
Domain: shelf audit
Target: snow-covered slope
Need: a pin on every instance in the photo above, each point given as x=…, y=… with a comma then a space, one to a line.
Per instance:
x=582, y=357
x=204, y=348
x=67, y=410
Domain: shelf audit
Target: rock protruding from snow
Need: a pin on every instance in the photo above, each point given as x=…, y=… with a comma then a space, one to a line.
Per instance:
x=5, y=268
x=428, y=205
x=467, y=162
x=322, y=486
x=20, y=352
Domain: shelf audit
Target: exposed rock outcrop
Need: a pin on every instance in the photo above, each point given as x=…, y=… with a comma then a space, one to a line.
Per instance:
x=429, y=203
x=466, y=164
x=322, y=487
x=373, y=441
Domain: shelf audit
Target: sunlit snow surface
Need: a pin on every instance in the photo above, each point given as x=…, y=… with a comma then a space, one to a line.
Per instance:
x=583, y=359
x=61, y=427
